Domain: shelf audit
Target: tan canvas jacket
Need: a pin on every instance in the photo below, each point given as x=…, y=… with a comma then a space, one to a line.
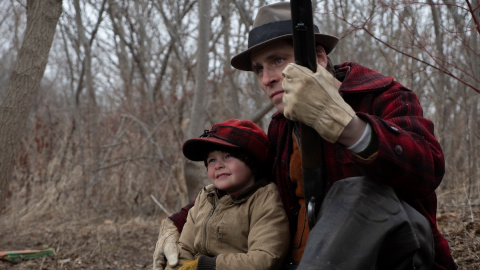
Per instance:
x=247, y=231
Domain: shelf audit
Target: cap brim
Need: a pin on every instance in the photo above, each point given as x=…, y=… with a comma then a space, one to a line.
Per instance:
x=197, y=149
x=242, y=61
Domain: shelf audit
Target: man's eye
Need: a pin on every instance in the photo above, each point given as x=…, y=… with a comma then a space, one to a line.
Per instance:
x=258, y=70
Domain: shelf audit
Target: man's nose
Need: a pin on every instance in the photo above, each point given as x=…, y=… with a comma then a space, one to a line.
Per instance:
x=270, y=76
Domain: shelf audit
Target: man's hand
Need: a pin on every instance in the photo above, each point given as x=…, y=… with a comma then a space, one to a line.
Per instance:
x=313, y=99
x=166, y=246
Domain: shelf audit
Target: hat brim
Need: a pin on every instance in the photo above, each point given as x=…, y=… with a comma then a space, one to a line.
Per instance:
x=242, y=61
x=197, y=149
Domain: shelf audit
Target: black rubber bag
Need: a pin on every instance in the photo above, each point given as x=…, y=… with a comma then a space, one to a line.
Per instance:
x=363, y=225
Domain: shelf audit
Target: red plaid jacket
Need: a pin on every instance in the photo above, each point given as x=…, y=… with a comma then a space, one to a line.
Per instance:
x=409, y=158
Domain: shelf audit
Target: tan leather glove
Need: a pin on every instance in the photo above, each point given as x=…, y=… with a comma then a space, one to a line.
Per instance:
x=313, y=99
x=166, y=246
x=189, y=265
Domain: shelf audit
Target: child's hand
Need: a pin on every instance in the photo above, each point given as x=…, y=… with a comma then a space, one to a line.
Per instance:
x=189, y=265
x=166, y=248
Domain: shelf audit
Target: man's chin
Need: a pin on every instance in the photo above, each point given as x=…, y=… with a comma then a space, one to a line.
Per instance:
x=279, y=108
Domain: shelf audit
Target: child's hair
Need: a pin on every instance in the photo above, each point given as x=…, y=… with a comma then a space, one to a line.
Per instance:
x=243, y=139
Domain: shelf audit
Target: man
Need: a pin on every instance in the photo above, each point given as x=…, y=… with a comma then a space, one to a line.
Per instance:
x=382, y=161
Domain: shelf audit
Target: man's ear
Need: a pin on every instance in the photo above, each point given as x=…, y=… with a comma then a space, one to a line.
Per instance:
x=322, y=58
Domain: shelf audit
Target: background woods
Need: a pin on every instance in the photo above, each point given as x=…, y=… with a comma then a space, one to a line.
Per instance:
x=128, y=81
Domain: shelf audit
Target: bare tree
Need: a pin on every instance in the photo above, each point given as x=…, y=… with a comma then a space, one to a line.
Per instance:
x=198, y=112
x=86, y=81
x=42, y=18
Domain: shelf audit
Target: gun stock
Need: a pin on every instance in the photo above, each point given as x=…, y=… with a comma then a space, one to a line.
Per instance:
x=314, y=183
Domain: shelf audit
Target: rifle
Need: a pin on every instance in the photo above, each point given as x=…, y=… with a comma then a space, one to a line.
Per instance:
x=314, y=183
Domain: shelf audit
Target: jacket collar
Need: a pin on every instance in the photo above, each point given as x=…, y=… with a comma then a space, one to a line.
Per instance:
x=357, y=78
x=240, y=197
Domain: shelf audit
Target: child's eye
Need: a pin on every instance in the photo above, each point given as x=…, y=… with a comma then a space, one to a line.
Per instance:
x=227, y=155
x=210, y=160
x=279, y=60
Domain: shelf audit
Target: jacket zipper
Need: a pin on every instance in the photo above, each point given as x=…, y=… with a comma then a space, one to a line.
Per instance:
x=205, y=229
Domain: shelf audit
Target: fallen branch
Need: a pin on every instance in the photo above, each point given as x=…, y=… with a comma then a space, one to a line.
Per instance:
x=160, y=205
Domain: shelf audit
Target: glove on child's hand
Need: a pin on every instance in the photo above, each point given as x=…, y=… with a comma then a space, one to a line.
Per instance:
x=189, y=265
x=166, y=246
x=313, y=99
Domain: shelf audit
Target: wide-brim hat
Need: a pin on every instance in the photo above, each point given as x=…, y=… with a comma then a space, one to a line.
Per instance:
x=234, y=134
x=272, y=23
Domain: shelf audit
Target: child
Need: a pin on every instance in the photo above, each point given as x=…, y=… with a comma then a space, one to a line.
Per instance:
x=238, y=222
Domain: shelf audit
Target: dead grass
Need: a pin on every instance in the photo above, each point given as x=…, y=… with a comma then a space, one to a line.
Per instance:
x=82, y=242
x=84, y=239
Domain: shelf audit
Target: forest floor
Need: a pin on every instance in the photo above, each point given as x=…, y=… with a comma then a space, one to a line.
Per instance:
x=101, y=243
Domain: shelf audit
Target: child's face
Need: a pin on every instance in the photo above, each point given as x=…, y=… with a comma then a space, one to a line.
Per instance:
x=228, y=173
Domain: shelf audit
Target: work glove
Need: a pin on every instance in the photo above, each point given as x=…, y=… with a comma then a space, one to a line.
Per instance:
x=314, y=100
x=189, y=265
x=166, y=248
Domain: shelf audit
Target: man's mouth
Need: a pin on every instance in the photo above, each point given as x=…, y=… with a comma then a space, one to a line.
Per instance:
x=275, y=93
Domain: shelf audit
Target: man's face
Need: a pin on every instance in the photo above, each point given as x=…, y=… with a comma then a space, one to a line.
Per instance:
x=268, y=64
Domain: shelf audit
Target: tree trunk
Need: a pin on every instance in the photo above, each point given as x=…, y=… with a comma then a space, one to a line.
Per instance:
x=197, y=118
x=42, y=18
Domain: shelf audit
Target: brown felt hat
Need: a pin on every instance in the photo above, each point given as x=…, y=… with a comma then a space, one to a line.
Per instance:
x=273, y=23
x=232, y=134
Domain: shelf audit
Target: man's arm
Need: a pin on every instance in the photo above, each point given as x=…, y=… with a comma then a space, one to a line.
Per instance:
x=405, y=153
x=180, y=217
x=353, y=132
x=408, y=156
